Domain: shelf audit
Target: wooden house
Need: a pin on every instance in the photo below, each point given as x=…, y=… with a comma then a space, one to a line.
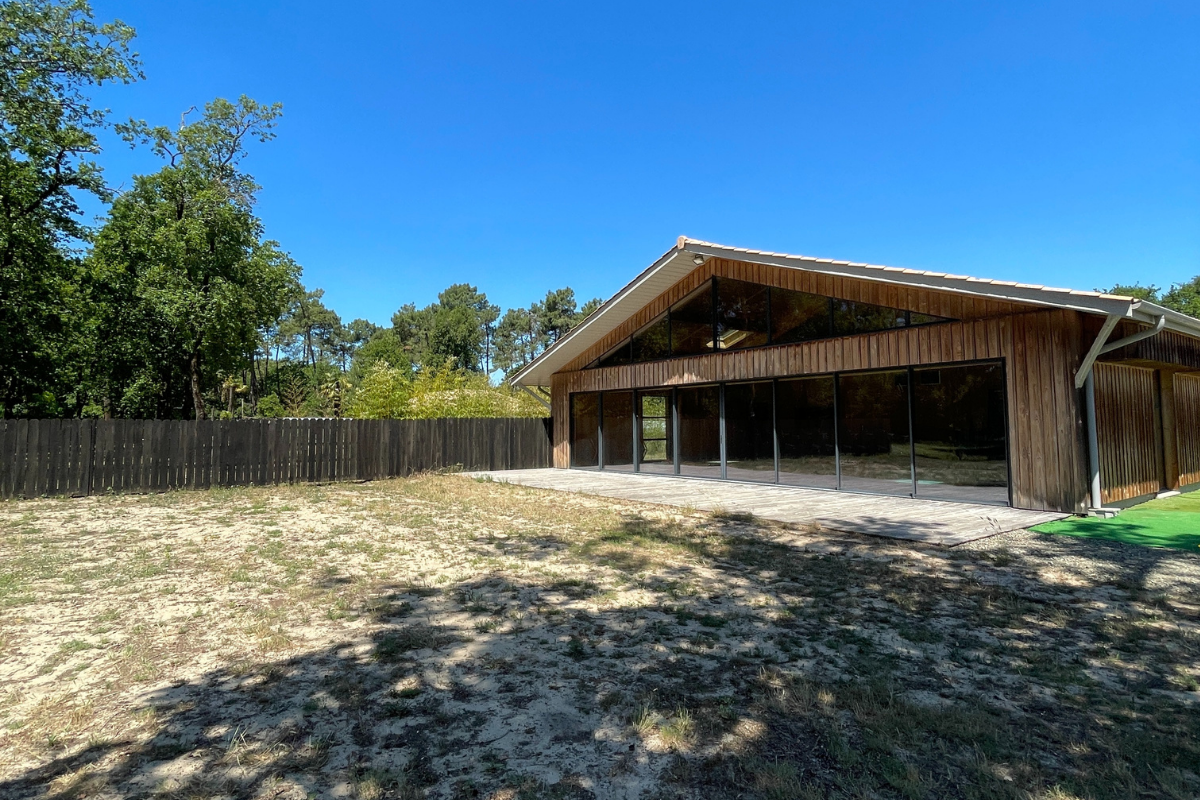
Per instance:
x=733, y=364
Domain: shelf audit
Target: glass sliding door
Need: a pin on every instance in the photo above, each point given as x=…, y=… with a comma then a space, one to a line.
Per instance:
x=617, y=430
x=804, y=413
x=585, y=429
x=873, y=432
x=699, y=410
x=959, y=433
x=656, y=438
x=749, y=432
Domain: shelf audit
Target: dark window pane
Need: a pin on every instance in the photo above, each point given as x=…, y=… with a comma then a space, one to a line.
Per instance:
x=655, y=436
x=850, y=317
x=959, y=433
x=873, y=432
x=585, y=419
x=749, y=432
x=700, y=431
x=618, y=431
x=652, y=342
x=617, y=356
x=691, y=323
x=742, y=318
x=798, y=316
x=917, y=318
x=806, y=432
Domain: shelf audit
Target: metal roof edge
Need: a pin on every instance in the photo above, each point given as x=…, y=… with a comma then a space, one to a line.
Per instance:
x=1011, y=291
x=606, y=307
x=1093, y=302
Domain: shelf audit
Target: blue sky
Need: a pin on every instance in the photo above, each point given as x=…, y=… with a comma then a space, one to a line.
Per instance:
x=528, y=146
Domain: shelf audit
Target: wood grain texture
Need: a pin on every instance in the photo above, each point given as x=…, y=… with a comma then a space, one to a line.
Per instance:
x=942, y=304
x=82, y=457
x=1129, y=429
x=1041, y=351
x=1187, y=427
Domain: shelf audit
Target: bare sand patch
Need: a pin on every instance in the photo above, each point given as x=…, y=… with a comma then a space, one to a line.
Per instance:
x=450, y=638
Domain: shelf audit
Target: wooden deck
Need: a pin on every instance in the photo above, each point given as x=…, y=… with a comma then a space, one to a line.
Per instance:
x=928, y=521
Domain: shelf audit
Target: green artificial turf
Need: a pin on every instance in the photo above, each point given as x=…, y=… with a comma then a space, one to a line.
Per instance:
x=1170, y=522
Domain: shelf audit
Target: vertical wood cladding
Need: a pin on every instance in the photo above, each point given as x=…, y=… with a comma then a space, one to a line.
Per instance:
x=1041, y=351
x=1129, y=429
x=1187, y=427
x=941, y=304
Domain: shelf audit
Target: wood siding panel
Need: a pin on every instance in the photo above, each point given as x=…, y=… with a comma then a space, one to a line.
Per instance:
x=1040, y=350
x=1187, y=427
x=942, y=304
x=1128, y=428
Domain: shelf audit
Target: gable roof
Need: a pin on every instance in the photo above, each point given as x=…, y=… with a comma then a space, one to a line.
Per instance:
x=687, y=254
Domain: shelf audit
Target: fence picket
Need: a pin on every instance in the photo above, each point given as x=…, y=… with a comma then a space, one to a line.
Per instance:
x=87, y=456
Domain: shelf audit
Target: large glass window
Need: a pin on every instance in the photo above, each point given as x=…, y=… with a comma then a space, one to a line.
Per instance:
x=749, y=432
x=653, y=341
x=656, y=440
x=699, y=410
x=617, y=408
x=585, y=429
x=621, y=354
x=805, y=416
x=743, y=314
x=850, y=318
x=753, y=315
x=873, y=432
x=798, y=316
x=959, y=433
x=692, y=323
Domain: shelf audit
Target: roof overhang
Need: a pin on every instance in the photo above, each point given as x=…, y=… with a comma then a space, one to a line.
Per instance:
x=688, y=254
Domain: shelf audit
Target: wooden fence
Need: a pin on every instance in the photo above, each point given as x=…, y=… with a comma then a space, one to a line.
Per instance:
x=82, y=457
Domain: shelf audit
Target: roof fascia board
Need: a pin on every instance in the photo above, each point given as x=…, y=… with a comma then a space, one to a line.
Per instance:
x=596, y=317
x=1012, y=292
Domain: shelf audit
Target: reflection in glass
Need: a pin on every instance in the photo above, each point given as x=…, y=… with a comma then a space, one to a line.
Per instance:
x=585, y=429
x=805, y=416
x=873, y=432
x=618, y=431
x=655, y=437
x=699, y=412
x=691, y=323
x=959, y=433
x=798, y=316
x=917, y=318
x=617, y=356
x=749, y=432
x=850, y=317
x=742, y=314
x=653, y=341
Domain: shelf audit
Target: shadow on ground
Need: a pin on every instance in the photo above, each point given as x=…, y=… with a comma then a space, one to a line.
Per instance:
x=755, y=662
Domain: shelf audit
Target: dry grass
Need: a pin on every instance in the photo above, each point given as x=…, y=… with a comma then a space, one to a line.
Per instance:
x=443, y=637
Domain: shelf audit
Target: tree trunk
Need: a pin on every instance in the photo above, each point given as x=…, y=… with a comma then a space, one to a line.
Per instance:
x=197, y=397
x=254, y=382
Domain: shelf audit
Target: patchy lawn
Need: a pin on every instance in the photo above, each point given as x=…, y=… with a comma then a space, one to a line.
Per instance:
x=1169, y=522
x=447, y=638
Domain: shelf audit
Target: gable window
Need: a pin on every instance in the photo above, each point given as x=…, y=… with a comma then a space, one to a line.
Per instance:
x=799, y=317
x=728, y=314
x=653, y=341
x=692, y=323
x=743, y=314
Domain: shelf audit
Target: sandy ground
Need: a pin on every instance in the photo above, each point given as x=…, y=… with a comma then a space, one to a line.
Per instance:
x=444, y=637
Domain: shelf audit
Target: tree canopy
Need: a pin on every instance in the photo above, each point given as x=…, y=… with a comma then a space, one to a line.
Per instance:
x=51, y=54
